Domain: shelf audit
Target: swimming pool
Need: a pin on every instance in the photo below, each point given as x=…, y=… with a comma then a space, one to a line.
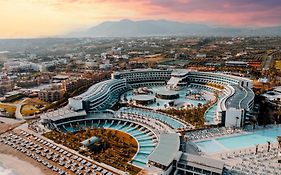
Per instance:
x=210, y=114
x=181, y=101
x=144, y=137
x=148, y=113
x=239, y=141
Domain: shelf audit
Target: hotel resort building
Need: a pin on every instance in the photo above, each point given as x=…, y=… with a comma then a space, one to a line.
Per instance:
x=161, y=149
x=235, y=101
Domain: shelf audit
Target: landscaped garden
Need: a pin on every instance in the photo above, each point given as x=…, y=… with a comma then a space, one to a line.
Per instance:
x=8, y=109
x=32, y=106
x=115, y=148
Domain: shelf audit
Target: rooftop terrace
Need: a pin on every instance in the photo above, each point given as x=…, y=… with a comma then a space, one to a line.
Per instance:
x=166, y=150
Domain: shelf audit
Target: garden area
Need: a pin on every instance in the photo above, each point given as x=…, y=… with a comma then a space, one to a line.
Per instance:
x=278, y=65
x=31, y=106
x=115, y=147
x=194, y=116
x=8, y=109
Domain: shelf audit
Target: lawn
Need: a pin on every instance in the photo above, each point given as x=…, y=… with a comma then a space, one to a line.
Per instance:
x=152, y=58
x=8, y=108
x=114, y=148
x=278, y=64
x=35, y=101
x=31, y=106
x=28, y=110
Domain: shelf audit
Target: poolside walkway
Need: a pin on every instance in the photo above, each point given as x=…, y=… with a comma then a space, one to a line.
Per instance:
x=242, y=157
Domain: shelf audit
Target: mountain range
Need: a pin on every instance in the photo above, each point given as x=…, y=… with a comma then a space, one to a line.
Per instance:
x=129, y=28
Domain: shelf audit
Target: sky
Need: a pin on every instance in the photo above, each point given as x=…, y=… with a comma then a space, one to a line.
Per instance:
x=41, y=18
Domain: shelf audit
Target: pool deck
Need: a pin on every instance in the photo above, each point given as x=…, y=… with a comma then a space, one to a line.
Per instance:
x=239, y=153
x=224, y=149
x=178, y=102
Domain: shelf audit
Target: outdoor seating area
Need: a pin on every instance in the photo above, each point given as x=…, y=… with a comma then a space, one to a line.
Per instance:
x=164, y=118
x=155, y=124
x=52, y=156
x=251, y=161
x=212, y=133
x=145, y=136
x=36, y=126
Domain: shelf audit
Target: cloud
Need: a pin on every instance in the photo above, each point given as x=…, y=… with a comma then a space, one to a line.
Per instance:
x=222, y=12
x=225, y=12
x=51, y=17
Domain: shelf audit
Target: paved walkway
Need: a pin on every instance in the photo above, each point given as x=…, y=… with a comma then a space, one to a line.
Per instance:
x=267, y=63
x=18, y=109
x=18, y=106
x=9, y=120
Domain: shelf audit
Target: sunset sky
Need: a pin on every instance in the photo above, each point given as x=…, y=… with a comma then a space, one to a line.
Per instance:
x=39, y=18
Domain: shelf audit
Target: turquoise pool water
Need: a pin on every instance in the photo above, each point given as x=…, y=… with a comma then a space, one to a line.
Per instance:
x=145, y=141
x=164, y=118
x=178, y=102
x=210, y=115
x=239, y=141
x=209, y=146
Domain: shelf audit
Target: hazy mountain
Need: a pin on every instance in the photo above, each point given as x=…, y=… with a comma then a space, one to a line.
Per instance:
x=128, y=28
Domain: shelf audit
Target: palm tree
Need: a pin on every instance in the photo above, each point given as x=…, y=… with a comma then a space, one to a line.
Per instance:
x=158, y=104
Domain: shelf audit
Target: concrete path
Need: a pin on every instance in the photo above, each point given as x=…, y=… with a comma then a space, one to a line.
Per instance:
x=18, y=106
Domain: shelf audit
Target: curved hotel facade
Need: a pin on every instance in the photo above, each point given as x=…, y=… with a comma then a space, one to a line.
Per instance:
x=156, y=133
x=100, y=96
x=237, y=98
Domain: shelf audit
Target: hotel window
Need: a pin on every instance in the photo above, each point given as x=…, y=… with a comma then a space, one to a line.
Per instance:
x=189, y=167
x=207, y=172
x=180, y=172
x=181, y=165
x=215, y=173
x=197, y=170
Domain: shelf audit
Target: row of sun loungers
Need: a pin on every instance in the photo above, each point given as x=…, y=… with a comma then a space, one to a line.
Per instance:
x=155, y=126
x=52, y=156
x=211, y=133
x=250, y=162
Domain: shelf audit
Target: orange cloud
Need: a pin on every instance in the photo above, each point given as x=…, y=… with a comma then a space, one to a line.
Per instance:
x=53, y=17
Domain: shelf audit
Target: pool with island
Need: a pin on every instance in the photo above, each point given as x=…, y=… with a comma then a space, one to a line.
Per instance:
x=237, y=142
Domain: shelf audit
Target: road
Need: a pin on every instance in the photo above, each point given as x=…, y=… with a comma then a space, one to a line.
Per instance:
x=267, y=63
x=18, y=106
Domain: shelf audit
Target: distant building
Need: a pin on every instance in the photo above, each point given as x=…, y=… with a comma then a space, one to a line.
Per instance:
x=21, y=66
x=105, y=66
x=236, y=64
x=3, y=56
x=263, y=80
x=51, y=94
x=6, y=86
x=274, y=96
x=241, y=54
x=201, y=55
x=28, y=83
x=91, y=64
x=60, y=78
x=46, y=66
x=255, y=64
x=73, y=84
